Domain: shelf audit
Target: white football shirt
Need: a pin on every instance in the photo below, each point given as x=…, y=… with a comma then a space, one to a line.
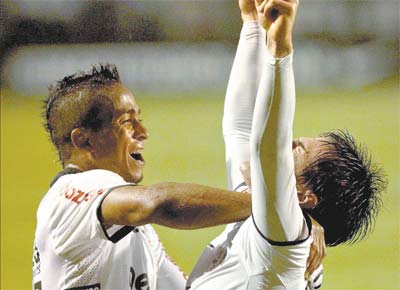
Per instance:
x=241, y=258
x=72, y=250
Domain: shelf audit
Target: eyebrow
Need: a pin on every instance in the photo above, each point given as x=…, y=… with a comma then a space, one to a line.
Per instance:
x=131, y=111
x=302, y=146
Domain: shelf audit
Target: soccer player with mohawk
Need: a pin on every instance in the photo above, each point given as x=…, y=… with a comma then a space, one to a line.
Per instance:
x=94, y=223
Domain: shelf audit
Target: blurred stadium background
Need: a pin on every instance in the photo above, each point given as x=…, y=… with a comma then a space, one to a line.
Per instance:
x=176, y=57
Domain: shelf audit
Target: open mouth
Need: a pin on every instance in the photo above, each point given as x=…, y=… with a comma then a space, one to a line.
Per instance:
x=137, y=157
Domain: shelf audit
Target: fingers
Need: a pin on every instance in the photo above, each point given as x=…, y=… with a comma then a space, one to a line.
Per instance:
x=267, y=7
x=261, y=5
x=317, y=249
x=313, y=261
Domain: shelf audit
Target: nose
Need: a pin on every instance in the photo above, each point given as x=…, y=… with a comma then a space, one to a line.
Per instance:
x=141, y=132
x=295, y=143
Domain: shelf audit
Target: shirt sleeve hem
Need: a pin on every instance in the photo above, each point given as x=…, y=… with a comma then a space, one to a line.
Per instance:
x=123, y=231
x=285, y=243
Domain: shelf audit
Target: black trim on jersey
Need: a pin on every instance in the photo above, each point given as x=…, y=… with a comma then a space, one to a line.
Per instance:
x=317, y=277
x=68, y=170
x=242, y=184
x=122, y=232
x=88, y=287
x=317, y=286
x=285, y=243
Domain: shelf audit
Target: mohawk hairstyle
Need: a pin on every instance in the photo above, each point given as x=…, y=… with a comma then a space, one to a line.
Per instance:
x=74, y=102
x=348, y=188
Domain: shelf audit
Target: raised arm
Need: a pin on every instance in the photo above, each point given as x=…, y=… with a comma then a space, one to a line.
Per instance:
x=177, y=205
x=276, y=210
x=242, y=91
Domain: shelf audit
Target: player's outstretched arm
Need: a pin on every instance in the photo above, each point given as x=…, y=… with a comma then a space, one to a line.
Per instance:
x=280, y=46
x=177, y=205
x=242, y=91
x=275, y=204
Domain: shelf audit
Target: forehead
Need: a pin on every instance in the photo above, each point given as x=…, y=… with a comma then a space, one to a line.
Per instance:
x=122, y=99
x=314, y=141
x=315, y=146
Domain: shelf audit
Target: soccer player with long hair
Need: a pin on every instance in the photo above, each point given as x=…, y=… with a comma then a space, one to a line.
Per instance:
x=328, y=178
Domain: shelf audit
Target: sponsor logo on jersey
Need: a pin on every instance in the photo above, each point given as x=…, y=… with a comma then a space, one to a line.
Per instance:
x=37, y=286
x=141, y=282
x=36, y=279
x=78, y=196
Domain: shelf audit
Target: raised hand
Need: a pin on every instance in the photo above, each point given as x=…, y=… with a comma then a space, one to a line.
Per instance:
x=317, y=250
x=277, y=17
x=248, y=10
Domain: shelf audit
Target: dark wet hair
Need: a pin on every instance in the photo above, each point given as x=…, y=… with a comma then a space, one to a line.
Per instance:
x=348, y=187
x=75, y=101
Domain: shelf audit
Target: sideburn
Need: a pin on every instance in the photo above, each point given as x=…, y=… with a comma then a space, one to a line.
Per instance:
x=98, y=120
x=99, y=114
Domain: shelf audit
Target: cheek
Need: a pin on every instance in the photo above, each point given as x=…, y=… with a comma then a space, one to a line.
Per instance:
x=106, y=142
x=123, y=138
x=127, y=133
x=122, y=141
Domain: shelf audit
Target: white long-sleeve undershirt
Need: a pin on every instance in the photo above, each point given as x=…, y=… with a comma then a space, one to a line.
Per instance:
x=262, y=85
x=276, y=209
x=240, y=98
x=240, y=258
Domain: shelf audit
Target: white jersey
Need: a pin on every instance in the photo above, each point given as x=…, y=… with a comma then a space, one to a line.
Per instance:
x=241, y=258
x=72, y=249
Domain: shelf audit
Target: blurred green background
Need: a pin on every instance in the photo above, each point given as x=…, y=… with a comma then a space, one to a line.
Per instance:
x=172, y=50
x=185, y=145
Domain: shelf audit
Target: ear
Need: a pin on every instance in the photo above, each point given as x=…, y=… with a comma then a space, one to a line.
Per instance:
x=308, y=200
x=80, y=138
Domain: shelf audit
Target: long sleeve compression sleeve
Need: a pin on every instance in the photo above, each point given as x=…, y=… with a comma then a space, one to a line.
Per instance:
x=276, y=210
x=240, y=98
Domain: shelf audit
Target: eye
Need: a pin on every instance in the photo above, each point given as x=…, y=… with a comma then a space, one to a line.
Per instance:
x=125, y=121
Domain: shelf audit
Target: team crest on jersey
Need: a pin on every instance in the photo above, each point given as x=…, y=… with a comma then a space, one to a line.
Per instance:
x=89, y=287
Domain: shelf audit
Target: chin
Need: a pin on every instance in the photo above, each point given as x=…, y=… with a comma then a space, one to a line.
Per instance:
x=138, y=179
x=135, y=178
